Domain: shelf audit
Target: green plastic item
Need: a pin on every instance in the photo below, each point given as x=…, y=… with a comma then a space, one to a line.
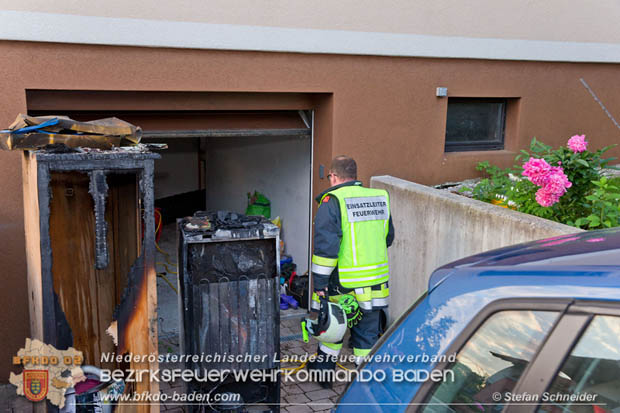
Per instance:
x=304, y=332
x=258, y=204
x=351, y=308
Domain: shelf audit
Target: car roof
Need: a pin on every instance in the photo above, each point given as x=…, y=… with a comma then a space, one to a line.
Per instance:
x=589, y=258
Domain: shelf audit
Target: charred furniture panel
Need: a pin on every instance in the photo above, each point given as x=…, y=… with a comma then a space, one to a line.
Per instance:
x=90, y=249
x=229, y=298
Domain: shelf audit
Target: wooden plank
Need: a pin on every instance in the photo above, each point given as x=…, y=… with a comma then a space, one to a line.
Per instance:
x=148, y=335
x=123, y=235
x=253, y=299
x=72, y=226
x=233, y=294
x=244, y=317
x=33, y=244
x=123, y=201
x=224, y=318
x=269, y=318
x=203, y=314
x=261, y=344
x=214, y=321
x=106, y=285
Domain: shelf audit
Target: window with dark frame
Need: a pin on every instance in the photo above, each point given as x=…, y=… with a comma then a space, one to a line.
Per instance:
x=491, y=362
x=475, y=124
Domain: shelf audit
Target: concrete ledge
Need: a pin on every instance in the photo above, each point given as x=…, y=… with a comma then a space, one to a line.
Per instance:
x=435, y=227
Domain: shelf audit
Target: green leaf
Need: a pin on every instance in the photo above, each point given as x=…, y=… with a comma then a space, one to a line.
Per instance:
x=583, y=162
x=581, y=221
x=594, y=221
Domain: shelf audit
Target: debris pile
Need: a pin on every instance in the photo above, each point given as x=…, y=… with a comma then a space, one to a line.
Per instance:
x=35, y=132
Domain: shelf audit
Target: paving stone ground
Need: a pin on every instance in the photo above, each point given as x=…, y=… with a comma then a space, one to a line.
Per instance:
x=298, y=395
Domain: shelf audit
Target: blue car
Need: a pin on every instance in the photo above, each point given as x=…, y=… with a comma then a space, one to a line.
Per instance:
x=528, y=328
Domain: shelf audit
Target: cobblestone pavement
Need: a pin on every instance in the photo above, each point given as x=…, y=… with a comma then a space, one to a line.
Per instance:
x=299, y=396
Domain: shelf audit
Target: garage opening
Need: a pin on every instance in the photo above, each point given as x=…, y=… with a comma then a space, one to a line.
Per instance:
x=241, y=152
x=219, y=168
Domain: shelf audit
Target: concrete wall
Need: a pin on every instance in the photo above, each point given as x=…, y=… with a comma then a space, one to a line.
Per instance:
x=277, y=167
x=435, y=227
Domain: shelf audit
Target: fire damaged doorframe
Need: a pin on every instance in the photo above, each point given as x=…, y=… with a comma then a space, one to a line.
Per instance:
x=135, y=318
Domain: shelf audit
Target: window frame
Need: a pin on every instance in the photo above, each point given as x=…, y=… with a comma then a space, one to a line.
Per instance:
x=511, y=304
x=546, y=365
x=490, y=145
x=574, y=318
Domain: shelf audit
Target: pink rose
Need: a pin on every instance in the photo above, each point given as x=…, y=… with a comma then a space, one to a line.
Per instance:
x=557, y=181
x=552, y=180
x=545, y=197
x=536, y=170
x=578, y=143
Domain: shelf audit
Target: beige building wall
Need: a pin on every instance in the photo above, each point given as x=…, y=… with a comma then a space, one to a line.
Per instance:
x=555, y=20
x=553, y=30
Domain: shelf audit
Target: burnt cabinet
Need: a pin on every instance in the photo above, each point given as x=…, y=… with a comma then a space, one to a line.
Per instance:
x=229, y=304
x=90, y=248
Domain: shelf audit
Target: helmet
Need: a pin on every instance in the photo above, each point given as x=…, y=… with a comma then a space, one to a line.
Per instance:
x=331, y=325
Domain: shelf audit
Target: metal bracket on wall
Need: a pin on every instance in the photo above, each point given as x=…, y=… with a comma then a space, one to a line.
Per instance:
x=305, y=116
x=98, y=188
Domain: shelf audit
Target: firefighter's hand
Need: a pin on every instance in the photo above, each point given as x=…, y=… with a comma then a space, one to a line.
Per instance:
x=314, y=314
x=321, y=293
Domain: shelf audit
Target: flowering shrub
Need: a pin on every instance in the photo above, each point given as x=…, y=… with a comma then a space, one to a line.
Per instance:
x=561, y=184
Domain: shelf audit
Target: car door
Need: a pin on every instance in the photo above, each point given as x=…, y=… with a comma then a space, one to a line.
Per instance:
x=532, y=355
x=578, y=369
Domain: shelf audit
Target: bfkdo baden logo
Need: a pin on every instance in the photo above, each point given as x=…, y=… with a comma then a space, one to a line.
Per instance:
x=47, y=372
x=36, y=384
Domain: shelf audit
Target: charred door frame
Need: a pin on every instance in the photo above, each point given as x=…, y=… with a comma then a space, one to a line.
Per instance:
x=43, y=320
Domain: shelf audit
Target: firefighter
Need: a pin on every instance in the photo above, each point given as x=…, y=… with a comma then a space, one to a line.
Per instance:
x=352, y=231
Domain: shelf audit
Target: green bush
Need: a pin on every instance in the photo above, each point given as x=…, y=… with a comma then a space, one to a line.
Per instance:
x=587, y=200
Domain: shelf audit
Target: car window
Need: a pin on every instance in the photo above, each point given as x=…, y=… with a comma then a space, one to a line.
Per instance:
x=491, y=362
x=589, y=379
